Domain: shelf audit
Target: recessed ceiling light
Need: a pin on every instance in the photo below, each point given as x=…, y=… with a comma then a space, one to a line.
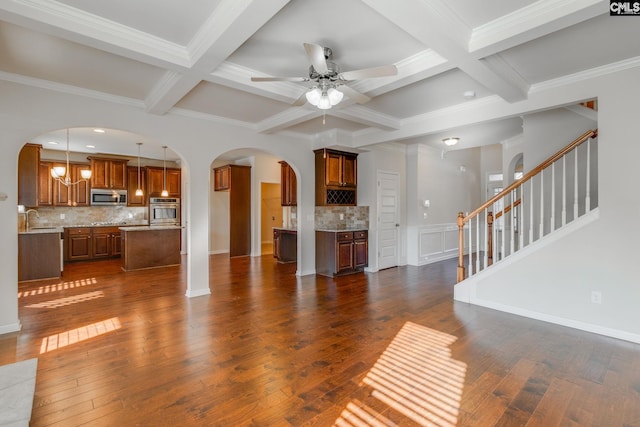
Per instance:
x=52, y=142
x=469, y=94
x=451, y=141
x=99, y=130
x=90, y=146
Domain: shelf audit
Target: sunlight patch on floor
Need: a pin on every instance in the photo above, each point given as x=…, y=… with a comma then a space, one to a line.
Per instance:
x=416, y=377
x=61, y=302
x=63, y=339
x=57, y=287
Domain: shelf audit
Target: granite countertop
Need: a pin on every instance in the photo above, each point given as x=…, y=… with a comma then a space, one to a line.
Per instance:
x=285, y=228
x=338, y=230
x=150, y=227
x=43, y=230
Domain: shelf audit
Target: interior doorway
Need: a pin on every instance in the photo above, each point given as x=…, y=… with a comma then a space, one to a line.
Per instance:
x=270, y=215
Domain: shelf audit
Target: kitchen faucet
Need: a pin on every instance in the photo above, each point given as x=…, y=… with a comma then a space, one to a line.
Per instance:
x=26, y=218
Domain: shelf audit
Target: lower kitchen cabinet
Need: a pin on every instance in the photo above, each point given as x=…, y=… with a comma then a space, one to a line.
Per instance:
x=285, y=245
x=341, y=252
x=86, y=243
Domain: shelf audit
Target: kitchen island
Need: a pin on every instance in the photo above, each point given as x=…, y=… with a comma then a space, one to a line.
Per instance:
x=150, y=246
x=39, y=254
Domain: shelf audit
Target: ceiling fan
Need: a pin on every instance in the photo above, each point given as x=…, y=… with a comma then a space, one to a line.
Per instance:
x=327, y=76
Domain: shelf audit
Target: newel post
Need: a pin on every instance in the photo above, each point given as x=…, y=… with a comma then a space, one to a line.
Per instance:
x=490, y=238
x=460, y=247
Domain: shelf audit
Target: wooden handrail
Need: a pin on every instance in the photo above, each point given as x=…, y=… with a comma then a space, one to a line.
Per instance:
x=533, y=172
x=507, y=209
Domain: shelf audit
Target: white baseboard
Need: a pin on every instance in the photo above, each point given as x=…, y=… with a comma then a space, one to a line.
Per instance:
x=198, y=293
x=219, y=251
x=11, y=327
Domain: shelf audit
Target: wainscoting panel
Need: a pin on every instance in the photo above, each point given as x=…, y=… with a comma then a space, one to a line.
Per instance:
x=432, y=243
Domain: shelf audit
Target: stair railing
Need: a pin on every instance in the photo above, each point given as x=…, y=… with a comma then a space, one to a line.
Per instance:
x=530, y=203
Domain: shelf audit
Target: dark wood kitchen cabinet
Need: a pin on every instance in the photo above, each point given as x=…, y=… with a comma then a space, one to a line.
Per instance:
x=28, y=170
x=110, y=174
x=237, y=181
x=106, y=242
x=336, y=178
x=288, y=185
x=285, y=245
x=77, y=244
x=156, y=181
x=132, y=186
x=51, y=192
x=341, y=252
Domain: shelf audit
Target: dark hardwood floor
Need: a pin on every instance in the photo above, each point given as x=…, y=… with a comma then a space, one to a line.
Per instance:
x=267, y=348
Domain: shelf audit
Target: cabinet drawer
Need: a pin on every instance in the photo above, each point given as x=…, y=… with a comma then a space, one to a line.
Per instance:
x=344, y=236
x=360, y=235
x=79, y=231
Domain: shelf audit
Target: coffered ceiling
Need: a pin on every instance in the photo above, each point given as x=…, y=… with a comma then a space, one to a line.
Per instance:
x=196, y=57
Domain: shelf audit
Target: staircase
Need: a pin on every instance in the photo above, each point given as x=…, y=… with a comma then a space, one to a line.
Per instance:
x=551, y=196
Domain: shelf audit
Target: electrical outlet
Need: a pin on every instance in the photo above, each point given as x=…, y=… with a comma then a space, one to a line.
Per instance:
x=596, y=297
x=61, y=216
x=341, y=216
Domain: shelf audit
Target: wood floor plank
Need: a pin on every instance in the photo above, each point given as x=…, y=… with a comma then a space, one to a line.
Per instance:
x=268, y=348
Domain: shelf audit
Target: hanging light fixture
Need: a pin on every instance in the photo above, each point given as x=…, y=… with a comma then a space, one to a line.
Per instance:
x=164, y=193
x=325, y=95
x=139, y=191
x=63, y=174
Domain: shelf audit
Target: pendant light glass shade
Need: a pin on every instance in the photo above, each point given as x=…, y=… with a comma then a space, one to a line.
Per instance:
x=164, y=193
x=139, y=191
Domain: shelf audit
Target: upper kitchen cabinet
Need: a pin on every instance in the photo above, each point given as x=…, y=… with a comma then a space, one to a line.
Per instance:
x=156, y=181
x=132, y=186
x=110, y=174
x=52, y=192
x=336, y=178
x=28, y=167
x=288, y=185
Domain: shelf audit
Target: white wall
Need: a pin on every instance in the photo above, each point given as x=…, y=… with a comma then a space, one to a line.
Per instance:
x=555, y=283
x=26, y=112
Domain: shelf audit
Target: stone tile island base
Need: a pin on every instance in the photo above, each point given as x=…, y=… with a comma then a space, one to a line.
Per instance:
x=150, y=247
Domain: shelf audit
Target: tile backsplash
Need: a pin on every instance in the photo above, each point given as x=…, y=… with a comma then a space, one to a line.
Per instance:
x=329, y=217
x=50, y=216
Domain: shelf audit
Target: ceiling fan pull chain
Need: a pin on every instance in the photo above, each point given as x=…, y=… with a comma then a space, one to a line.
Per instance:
x=324, y=116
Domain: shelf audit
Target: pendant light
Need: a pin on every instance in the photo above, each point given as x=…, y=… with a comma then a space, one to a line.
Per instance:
x=164, y=193
x=139, y=191
x=63, y=174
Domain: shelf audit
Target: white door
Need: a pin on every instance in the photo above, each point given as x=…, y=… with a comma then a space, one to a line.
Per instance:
x=388, y=219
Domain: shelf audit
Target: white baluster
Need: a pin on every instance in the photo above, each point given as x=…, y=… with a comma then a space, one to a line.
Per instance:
x=512, y=223
x=552, y=220
x=564, y=190
x=542, y=203
x=531, y=211
x=504, y=230
x=470, y=249
x=575, y=184
x=587, y=199
x=521, y=210
x=477, y=243
x=486, y=239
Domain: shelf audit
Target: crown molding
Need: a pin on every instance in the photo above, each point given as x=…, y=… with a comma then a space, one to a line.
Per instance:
x=71, y=23
x=211, y=118
x=71, y=90
x=368, y=117
x=286, y=118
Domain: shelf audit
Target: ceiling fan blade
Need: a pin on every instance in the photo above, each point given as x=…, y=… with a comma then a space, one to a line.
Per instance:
x=316, y=56
x=354, y=94
x=279, y=79
x=365, y=73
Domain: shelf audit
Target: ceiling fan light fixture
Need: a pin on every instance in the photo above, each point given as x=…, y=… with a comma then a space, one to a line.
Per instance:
x=325, y=102
x=451, y=141
x=314, y=95
x=335, y=96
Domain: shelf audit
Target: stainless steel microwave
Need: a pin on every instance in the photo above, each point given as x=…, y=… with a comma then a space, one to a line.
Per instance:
x=100, y=197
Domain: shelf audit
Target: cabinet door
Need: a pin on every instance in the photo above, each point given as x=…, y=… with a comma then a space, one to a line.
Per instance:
x=45, y=184
x=173, y=182
x=28, y=169
x=116, y=244
x=101, y=243
x=132, y=186
x=82, y=189
x=118, y=174
x=276, y=244
x=349, y=173
x=360, y=253
x=333, y=169
x=100, y=173
x=78, y=244
x=344, y=256
x=288, y=185
x=222, y=178
x=155, y=179
x=62, y=195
